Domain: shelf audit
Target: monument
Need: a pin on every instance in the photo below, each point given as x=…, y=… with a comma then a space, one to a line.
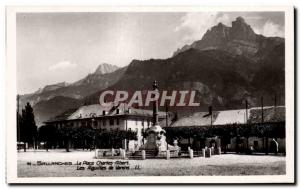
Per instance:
x=156, y=138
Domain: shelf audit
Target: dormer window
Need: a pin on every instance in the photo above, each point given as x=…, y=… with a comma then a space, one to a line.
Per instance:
x=103, y=112
x=117, y=111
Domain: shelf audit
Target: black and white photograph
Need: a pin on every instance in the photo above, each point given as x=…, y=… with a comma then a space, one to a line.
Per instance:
x=150, y=95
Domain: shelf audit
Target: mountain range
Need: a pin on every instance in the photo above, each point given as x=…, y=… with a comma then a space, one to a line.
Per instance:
x=226, y=67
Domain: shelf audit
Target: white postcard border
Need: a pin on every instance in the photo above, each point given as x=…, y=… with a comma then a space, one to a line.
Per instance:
x=11, y=152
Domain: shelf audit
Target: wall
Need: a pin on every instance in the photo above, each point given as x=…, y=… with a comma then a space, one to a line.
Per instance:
x=137, y=126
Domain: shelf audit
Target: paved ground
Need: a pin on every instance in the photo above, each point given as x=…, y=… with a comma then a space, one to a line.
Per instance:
x=225, y=164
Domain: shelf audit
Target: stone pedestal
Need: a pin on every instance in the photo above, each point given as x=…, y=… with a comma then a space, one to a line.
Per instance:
x=123, y=154
x=175, y=148
x=191, y=153
x=168, y=155
x=143, y=154
x=124, y=144
x=156, y=144
x=96, y=153
x=156, y=140
x=112, y=152
x=208, y=154
x=203, y=152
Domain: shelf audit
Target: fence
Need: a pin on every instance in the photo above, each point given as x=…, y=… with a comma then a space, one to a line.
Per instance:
x=154, y=154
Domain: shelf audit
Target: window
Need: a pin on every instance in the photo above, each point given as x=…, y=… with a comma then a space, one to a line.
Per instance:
x=103, y=112
x=111, y=122
x=104, y=122
x=118, y=121
x=255, y=144
x=118, y=111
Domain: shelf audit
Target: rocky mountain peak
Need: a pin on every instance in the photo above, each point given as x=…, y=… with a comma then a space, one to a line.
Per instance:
x=105, y=68
x=52, y=87
x=238, y=39
x=221, y=25
x=240, y=19
x=217, y=33
x=241, y=30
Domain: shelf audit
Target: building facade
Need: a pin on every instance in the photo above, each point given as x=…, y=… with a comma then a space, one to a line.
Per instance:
x=259, y=118
x=119, y=117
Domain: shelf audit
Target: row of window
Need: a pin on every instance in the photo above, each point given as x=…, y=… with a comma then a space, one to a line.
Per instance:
x=143, y=122
x=88, y=123
x=98, y=123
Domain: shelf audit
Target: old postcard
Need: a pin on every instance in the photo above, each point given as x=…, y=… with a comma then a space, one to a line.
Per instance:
x=150, y=95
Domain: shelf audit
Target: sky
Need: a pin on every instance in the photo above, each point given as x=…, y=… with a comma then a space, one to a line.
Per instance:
x=65, y=47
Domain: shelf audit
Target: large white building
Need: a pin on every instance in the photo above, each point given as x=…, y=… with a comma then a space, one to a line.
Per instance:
x=109, y=118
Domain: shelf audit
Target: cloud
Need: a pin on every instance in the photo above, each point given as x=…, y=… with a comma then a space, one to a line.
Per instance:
x=195, y=24
x=62, y=65
x=271, y=29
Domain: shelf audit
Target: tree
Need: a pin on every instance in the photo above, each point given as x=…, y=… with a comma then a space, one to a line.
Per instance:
x=229, y=131
x=113, y=139
x=48, y=135
x=85, y=136
x=19, y=123
x=67, y=133
x=28, y=128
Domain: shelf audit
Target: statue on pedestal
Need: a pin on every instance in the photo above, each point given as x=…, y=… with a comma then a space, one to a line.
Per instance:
x=156, y=138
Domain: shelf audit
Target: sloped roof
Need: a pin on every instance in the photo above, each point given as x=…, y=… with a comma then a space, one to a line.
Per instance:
x=198, y=119
x=231, y=116
x=96, y=110
x=271, y=114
